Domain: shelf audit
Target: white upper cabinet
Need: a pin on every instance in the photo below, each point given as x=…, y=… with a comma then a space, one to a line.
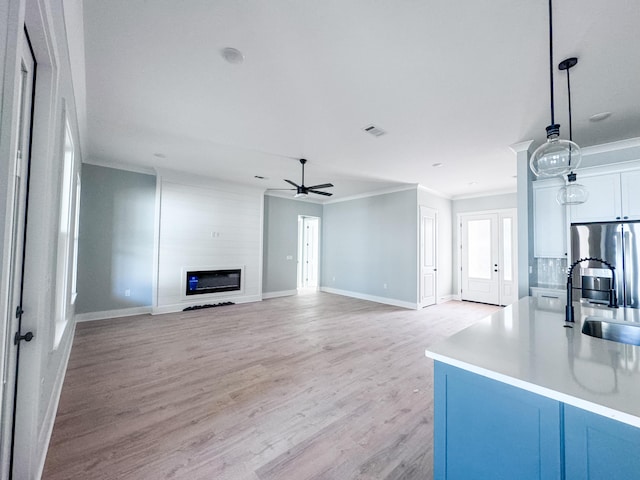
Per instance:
x=550, y=228
x=604, y=203
x=630, y=190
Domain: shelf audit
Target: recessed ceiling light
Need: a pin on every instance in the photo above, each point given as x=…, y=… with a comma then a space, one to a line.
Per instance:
x=473, y=183
x=232, y=55
x=600, y=116
x=437, y=165
x=159, y=155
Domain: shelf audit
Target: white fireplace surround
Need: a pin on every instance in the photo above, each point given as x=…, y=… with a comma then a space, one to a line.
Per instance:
x=204, y=224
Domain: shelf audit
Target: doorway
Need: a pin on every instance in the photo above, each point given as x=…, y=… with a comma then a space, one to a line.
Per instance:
x=428, y=281
x=21, y=157
x=488, y=263
x=308, y=252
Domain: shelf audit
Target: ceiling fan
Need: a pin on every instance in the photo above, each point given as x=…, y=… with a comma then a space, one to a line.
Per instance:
x=302, y=190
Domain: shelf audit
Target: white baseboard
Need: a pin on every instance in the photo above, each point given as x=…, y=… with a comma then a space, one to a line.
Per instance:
x=123, y=312
x=447, y=298
x=52, y=409
x=456, y=297
x=178, y=307
x=282, y=293
x=371, y=298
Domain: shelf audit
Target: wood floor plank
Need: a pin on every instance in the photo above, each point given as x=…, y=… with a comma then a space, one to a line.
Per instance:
x=313, y=386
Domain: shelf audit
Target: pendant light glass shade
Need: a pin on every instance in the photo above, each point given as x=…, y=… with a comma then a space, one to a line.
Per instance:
x=555, y=157
x=572, y=194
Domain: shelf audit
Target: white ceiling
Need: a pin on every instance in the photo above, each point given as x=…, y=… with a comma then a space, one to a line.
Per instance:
x=454, y=82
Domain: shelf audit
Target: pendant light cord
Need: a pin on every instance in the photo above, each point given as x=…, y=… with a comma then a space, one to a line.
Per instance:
x=569, y=95
x=551, y=61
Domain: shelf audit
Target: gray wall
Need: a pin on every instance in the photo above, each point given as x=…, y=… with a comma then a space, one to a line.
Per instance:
x=115, y=247
x=281, y=240
x=372, y=241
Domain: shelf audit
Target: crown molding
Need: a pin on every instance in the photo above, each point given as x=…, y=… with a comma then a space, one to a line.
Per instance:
x=432, y=191
x=612, y=146
x=119, y=166
x=493, y=193
x=521, y=146
x=373, y=193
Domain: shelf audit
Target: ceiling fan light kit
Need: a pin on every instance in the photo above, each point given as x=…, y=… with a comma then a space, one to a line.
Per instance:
x=303, y=191
x=557, y=156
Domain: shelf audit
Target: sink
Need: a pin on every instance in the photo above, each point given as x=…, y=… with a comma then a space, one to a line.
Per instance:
x=623, y=332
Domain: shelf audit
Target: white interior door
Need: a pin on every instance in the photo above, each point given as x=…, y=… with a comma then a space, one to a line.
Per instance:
x=428, y=256
x=308, y=251
x=488, y=257
x=12, y=317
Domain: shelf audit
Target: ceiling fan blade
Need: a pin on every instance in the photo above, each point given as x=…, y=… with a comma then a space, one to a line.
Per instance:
x=294, y=184
x=324, y=185
x=319, y=192
x=287, y=189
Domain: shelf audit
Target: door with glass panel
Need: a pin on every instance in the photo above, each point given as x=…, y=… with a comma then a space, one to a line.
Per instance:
x=488, y=257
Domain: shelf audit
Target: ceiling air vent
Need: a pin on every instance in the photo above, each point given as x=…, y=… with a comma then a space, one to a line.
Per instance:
x=373, y=130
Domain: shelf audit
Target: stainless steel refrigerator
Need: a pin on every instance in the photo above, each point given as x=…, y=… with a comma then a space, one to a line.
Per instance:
x=616, y=243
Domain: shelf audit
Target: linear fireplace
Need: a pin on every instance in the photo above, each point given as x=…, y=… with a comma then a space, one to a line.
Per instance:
x=199, y=282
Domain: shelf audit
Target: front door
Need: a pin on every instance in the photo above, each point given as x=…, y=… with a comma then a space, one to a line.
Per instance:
x=488, y=257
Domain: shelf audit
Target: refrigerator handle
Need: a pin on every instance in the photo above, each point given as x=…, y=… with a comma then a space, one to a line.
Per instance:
x=630, y=266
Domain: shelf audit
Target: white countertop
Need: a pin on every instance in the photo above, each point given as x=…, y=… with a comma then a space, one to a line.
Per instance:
x=527, y=345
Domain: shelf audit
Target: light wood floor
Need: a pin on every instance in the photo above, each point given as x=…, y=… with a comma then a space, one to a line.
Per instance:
x=314, y=386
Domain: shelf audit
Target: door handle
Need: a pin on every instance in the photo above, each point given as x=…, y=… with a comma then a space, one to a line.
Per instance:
x=27, y=337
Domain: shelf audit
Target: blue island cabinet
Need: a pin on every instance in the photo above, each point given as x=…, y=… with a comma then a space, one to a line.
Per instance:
x=485, y=429
x=599, y=448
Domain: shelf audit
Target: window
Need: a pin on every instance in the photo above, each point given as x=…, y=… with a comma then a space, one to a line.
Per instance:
x=67, y=233
x=76, y=234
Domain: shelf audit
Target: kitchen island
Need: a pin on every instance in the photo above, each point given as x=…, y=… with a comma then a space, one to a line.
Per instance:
x=519, y=395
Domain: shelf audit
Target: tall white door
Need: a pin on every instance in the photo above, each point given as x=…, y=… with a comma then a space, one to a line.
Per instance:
x=488, y=257
x=308, y=251
x=428, y=256
x=11, y=321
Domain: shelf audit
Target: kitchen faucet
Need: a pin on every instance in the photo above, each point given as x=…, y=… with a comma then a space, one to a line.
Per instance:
x=613, y=300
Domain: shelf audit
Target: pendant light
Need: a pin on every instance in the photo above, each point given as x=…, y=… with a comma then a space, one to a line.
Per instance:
x=572, y=193
x=556, y=156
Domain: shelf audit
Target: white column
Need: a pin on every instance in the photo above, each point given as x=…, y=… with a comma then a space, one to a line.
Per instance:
x=525, y=216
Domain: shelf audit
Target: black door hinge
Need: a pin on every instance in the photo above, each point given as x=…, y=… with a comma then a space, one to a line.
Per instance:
x=19, y=311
